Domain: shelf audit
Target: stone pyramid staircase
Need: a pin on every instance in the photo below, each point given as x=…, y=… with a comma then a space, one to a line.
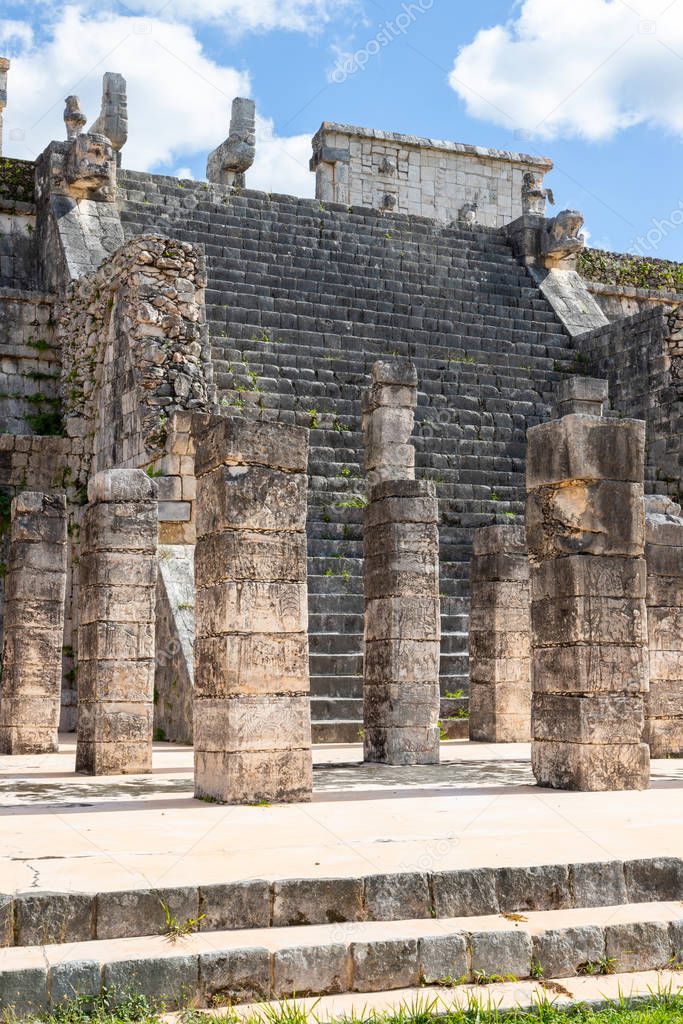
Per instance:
x=301, y=300
x=214, y=945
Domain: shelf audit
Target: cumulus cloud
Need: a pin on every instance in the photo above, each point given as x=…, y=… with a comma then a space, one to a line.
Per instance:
x=250, y=15
x=588, y=68
x=178, y=99
x=233, y=16
x=281, y=163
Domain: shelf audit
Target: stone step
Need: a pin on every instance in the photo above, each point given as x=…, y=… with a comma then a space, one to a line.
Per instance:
x=216, y=966
x=301, y=299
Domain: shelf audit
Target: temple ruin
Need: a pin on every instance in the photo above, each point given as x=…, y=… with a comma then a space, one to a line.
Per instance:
x=360, y=515
x=359, y=373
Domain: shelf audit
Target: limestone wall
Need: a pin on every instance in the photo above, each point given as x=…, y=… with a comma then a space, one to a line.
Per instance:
x=17, y=244
x=423, y=177
x=29, y=364
x=643, y=361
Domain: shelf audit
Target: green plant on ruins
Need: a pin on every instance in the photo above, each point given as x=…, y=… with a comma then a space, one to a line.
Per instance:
x=631, y=271
x=17, y=180
x=662, y=1006
x=175, y=928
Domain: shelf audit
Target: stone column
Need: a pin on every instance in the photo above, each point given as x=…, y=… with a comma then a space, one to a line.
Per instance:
x=664, y=557
x=116, y=651
x=585, y=531
x=401, y=565
x=252, y=720
x=30, y=691
x=500, y=646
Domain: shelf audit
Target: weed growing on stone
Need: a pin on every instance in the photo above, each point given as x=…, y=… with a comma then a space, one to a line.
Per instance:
x=175, y=928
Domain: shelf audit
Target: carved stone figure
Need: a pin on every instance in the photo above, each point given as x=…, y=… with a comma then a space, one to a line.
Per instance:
x=387, y=167
x=4, y=68
x=90, y=168
x=562, y=238
x=467, y=214
x=229, y=162
x=534, y=195
x=113, y=118
x=74, y=118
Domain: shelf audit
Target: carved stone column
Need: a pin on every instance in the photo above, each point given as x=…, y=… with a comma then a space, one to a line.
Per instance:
x=500, y=646
x=252, y=720
x=664, y=557
x=30, y=691
x=116, y=650
x=401, y=564
x=585, y=531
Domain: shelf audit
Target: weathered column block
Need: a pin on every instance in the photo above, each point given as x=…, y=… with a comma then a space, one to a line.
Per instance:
x=117, y=599
x=30, y=690
x=401, y=564
x=387, y=421
x=586, y=533
x=252, y=726
x=664, y=558
x=499, y=641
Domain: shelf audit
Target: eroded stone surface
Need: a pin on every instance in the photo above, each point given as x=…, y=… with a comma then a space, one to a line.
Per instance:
x=252, y=731
x=117, y=602
x=586, y=535
x=35, y=591
x=499, y=642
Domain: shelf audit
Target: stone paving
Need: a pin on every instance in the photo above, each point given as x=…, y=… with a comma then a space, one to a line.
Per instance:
x=478, y=808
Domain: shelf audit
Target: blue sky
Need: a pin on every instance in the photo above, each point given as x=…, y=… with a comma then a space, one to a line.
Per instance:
x=597, y=85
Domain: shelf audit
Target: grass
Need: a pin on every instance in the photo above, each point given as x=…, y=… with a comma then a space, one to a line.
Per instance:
x=663, y=1006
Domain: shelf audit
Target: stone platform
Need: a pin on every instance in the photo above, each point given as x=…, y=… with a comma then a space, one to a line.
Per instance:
x=480, y=807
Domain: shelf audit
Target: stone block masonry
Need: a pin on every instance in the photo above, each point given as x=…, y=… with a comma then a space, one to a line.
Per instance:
x=402, y=609
x=252, y=728
x=30, y=692
x=500, y=646
x=586, y=536
x=117, y=596
x=664, y=557
x=446, y=181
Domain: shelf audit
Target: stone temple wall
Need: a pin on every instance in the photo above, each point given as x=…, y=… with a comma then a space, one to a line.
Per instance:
x=422, y=177
x=30, y=363
x=643, y=361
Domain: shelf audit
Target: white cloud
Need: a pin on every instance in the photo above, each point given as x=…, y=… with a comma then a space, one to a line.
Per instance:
x=281, y=163
x=232, y=16
x=250, y=15
x=178, y=99
x=588, y=68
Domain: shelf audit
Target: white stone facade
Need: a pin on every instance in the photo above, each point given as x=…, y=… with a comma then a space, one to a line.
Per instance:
x=446, y=181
